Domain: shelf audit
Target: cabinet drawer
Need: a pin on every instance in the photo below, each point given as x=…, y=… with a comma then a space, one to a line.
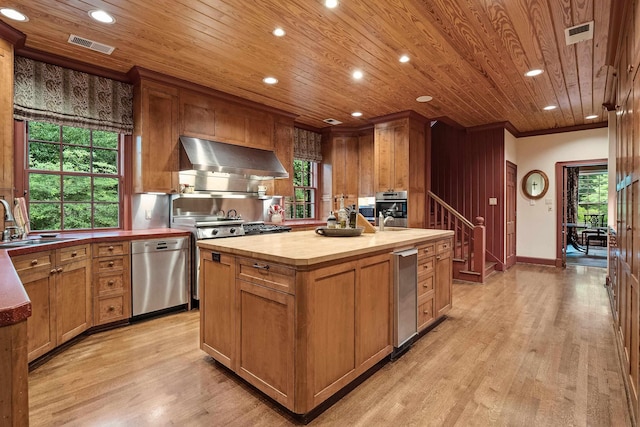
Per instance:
x=425, y=266
x=111, y=309
x=109, y=249
x=425, y=313
x=108, y=284
x=32, y=261
x=266, y=274
x=443, y=246
x=426, y=250
x=73, y=253
x=425, y=284
x=110, y=265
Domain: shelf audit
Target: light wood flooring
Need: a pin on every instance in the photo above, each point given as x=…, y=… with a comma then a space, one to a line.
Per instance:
x=534, y=346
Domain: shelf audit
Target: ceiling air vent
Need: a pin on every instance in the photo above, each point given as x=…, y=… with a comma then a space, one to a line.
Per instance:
x=90, y=44
x=578, y=33
x=332, y=121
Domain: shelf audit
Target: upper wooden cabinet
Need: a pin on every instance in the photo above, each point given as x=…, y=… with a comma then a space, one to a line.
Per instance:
x=6, y=126
x=284, y=151
x=344, y=165
x=156, y=138
x=365, y=165
x=204, y=116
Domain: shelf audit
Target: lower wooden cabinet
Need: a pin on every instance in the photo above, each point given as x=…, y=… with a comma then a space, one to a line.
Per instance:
x=58, y=283
x=443, y=277
x=111, y=282
x=434, y=281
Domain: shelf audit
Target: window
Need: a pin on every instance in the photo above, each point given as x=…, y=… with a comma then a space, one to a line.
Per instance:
x=73, y=177
x=303, y=204
x=592, y=194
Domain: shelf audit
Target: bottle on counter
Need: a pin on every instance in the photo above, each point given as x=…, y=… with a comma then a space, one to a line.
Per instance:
x=342, y=214
x=331, y=221
x=353, y=217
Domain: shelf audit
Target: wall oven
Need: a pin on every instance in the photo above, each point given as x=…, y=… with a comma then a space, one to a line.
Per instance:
x=392, y=204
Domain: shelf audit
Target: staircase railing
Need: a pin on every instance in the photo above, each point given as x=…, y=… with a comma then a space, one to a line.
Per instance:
x=469, y=240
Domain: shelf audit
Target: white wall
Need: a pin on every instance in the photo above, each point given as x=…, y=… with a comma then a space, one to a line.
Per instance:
x=510, y=155
x=536, y=223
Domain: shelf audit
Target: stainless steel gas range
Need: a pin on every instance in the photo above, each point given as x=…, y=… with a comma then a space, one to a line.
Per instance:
x=204, y=227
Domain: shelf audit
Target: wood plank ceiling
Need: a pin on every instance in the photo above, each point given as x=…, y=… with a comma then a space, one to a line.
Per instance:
x=469, y=55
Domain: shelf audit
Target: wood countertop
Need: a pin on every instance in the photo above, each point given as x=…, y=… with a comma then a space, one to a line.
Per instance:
x=15, y=305
x=306, y=248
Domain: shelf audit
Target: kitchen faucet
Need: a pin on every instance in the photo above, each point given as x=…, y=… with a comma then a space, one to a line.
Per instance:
x=8, y=216
x=386, y=219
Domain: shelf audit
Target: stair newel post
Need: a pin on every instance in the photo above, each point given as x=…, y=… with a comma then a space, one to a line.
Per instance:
x=479, y=246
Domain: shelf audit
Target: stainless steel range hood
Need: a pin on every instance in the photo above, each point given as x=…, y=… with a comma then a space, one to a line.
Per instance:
x=205, y=155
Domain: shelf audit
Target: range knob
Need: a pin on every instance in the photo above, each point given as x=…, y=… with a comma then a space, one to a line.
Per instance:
x=214, y=231
x=232, y=230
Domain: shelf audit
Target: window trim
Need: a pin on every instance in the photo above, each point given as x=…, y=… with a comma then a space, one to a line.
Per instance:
x=291, y=201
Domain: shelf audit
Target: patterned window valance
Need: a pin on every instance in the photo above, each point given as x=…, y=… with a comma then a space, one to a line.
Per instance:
x=49, y=93
x=306, y=145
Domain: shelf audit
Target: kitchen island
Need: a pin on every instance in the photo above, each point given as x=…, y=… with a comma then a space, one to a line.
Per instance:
x=301, y=316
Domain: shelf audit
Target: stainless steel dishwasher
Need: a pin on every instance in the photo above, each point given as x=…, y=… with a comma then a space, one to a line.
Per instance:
x=405, y=269
x=159, y=275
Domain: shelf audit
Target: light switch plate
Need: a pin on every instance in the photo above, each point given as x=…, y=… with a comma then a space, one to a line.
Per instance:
x=532, y=202
x=548, y=201
x=493, y=201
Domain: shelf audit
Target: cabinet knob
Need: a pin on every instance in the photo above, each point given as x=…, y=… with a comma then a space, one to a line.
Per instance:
x=110, y=248
x=53, y=271
x=74, y=253
x=111, y=308
x=629, y=68
x=425, y=312
x=34, y=262
x=110, y=283
x=110, y=263
x=628, y=227
x=59, y=270
x=438, y=257
x=425, y=285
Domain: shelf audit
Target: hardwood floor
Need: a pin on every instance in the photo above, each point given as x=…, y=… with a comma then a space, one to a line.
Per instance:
x=534, y=346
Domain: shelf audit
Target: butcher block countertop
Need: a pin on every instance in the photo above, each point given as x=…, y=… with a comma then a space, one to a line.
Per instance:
x=14, y=302
x=307, y=248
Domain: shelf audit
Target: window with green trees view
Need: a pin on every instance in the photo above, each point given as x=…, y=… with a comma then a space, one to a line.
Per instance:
x=593, y=193
x=73, y=177
x=302, y=205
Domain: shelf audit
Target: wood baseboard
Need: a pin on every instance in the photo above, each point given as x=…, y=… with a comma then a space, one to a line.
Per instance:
x=532, y=260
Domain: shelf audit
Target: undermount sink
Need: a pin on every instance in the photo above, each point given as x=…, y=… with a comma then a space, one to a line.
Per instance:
x=31, y=242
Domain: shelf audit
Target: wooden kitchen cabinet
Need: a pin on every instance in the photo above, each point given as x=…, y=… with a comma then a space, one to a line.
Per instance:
x=58, y=285
x=6, y=125
x=343, y=157
x=156, y=138
x=366, y=165
x=401, y=155
x=283, y=147
x=434, y=281
x=111, y=282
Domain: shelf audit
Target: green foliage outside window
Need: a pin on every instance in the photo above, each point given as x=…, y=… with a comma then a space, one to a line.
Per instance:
x=593, y=193
x=302, y=205
x=73, y=178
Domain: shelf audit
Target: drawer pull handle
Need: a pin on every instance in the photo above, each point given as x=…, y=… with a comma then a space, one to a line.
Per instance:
x=59, y=270
x=438, y=257
x=425, y=285
x=111, y=282
x=261, y=266
x=53, y=271
x=34, y=262
x=110, y=248
x=111, y=308
x=425, y=312
x=74, y=253
x=110, y=263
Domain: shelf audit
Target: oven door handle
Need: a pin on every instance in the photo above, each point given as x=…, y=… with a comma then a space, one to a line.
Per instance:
x=261, y=266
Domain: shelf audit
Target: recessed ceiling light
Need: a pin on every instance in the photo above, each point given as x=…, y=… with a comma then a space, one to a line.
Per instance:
x=270, y=80
x=102, y=16
x=424, y=98
x=356, y=114
x=278, y=32
x=550, y=107
x=533, y=73
x=357, y=74
x=404, y=58
x=591, y=117
x=14, y=14
x=331, y=3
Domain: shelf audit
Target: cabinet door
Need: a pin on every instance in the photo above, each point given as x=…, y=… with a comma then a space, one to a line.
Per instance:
x=197, y=115
x=283, y=145
x=73, y=300
x=266, y=340
x=383, y=159
x=345, y=170
x=218, y=307
x=41, y=325
x=374, y=316
x=156, y=144
x=365, y=165
x=443, y=277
